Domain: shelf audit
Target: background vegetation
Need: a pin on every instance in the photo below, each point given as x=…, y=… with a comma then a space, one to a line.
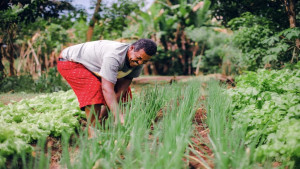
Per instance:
x=194, y=37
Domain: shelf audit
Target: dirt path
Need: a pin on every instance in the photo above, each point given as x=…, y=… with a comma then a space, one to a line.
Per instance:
x=159, y=79
x=202, y=157
x=6, y=98
x=171, y=79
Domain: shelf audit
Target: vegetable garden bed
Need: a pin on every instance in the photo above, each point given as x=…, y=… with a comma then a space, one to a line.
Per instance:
x=176, y=125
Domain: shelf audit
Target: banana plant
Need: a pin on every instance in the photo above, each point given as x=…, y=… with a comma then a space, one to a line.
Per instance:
x=165, y=23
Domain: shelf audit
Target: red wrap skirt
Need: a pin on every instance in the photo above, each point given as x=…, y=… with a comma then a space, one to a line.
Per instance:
x=86, y=85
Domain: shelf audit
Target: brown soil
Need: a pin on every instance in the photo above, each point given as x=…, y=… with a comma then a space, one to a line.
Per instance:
x=54, y=145
x=159, y=79
x=171, y=79
x=56, y=151
x=203, y=156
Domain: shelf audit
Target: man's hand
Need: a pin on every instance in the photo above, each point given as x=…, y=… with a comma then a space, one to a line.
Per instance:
x=121, y=87
x=121, y=117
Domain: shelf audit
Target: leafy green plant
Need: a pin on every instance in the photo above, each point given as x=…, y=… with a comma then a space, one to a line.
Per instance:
x=247, y=20
x=112, y=20
x=274, y=138
x=30, y=120
x=268, y=101
x=17, y=83
x=250, y=42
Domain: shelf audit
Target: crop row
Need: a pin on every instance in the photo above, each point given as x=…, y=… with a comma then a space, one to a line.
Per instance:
x=144, y=141
x=269, y=102
x=256, y=124
x=26, y=121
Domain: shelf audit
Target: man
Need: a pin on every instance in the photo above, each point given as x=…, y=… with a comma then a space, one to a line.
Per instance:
x=100, y=73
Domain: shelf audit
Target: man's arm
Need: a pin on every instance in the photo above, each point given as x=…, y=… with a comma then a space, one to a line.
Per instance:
x=112, y=94
x=111, y=98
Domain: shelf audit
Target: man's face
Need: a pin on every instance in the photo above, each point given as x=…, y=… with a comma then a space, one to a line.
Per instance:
x=137, y=58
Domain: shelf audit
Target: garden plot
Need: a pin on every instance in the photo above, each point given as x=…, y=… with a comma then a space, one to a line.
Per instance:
x=140, y=142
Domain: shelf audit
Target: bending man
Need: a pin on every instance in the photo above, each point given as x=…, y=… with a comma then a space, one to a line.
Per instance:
x=100, y=72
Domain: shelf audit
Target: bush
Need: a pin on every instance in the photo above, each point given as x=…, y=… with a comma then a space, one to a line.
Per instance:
x=261, y=44
x=216, y=46
x=50, y=81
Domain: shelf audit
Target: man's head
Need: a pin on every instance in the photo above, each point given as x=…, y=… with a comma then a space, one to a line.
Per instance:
x=140, y=52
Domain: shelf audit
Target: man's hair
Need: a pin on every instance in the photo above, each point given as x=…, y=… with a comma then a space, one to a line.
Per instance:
x=148, y=45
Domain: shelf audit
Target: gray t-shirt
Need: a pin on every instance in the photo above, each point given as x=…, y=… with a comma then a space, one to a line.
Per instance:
x=104, y=58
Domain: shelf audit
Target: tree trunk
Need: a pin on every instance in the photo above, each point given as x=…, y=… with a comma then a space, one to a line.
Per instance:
x=176, y=46
x=94, y=19
x=146, y=68
x=36, y=58
x=23, y=53
x=199, y=61
x=153, y=68
x=1, y=64
x=11, y=59
x=46, y=62
x=187, y=58
x=1, y=56
x=52, y=59
x=290, y=8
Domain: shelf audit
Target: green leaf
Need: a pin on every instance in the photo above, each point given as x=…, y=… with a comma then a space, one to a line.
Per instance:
x=271, y=41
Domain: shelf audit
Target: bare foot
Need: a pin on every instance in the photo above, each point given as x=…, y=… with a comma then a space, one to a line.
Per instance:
x=93, y=132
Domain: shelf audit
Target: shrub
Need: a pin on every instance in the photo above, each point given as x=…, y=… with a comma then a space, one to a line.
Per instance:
x=50, y=81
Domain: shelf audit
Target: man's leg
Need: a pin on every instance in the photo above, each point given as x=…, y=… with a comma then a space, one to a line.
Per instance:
x=103, y=113
x=86, y=86
x=91, y=111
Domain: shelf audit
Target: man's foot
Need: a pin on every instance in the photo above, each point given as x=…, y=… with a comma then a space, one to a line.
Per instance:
x=93, y=132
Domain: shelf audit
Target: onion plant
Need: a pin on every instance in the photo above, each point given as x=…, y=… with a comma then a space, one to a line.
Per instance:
x=143, y=141
x=227, y=142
